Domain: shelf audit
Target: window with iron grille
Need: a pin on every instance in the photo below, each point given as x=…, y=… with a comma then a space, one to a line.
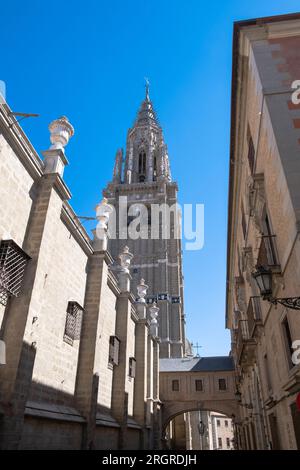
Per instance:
x=132, y=367
x=244, y=224
x=73, y=323
x=251, y=151
x=267, y=255
x=288, y=341
x=13, y=261
x=114, y=346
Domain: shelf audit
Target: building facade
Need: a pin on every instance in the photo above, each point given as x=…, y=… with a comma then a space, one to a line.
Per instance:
x=220, y=432
x=263, y=231
x=79, y=347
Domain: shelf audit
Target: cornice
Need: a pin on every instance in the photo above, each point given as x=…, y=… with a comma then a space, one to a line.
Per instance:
x=18, y=141
x=76, y=229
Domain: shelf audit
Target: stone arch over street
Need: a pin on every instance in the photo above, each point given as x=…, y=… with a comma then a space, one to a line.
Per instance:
x=192, y=384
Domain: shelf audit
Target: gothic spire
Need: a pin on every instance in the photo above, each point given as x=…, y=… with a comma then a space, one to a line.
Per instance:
x=146, y=115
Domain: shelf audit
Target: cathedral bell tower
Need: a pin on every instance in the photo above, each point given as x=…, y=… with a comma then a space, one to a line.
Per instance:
x=144, y=178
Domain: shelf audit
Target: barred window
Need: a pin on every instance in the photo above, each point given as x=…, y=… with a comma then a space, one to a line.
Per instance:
x=132, y=367
x=13, y=261
x=114, y=346
x=73, y=323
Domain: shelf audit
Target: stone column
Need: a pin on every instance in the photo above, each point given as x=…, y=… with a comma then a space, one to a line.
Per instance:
x=87, y=380
x=140, y=385
x=119, y=405
x=157, y=423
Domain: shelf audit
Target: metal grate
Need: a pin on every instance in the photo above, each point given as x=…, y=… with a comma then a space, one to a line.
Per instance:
x=13, y=261
x=114, y=347
x=73, y=323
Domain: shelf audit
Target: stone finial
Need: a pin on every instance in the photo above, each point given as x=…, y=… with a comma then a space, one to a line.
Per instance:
x=60, y=132
x=103, y=212
x=142, y=291
x=125, y=258
x=154, y=309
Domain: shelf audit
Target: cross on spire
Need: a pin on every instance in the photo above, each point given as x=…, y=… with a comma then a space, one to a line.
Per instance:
x=196, y=346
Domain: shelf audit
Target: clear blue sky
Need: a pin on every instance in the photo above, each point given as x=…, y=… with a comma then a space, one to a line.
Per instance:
x=87, y=60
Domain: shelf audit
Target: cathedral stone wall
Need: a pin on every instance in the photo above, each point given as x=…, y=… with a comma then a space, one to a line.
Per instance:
x=58, y=387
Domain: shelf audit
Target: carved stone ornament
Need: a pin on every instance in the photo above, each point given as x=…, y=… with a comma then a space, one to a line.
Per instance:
x=125, y=258
x=61, y=130
x=142, y=291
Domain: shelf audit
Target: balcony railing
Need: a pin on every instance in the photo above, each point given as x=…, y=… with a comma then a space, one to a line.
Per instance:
x=254, y=314
x=267, y=255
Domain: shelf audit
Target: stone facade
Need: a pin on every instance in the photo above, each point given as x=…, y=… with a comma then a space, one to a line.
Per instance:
x=81, y=365
x=264, y=209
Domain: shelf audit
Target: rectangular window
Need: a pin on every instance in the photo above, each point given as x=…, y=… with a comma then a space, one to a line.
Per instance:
x=288, y=341
x=220, y=442
x=222, y=384
x=227, y=442
x=13, y=261
x=132, y=367
x=218, y=423
x=175, y=385
x=199, y=385
x=73, y=323
x=269, y=252
x=114, y=346
x=251, y=151
x=226, y=423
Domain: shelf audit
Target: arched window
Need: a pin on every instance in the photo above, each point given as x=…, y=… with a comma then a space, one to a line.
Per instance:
x=142, y=166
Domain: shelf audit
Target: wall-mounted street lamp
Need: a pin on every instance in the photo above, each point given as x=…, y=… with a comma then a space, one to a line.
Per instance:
x=263, y=278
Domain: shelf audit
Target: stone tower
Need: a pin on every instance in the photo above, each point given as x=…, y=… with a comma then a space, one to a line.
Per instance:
x=144, y=177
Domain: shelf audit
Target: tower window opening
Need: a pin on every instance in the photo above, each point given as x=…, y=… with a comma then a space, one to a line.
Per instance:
x=142, y=167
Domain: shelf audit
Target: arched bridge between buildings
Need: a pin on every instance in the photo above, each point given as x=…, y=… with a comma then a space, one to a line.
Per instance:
x=194, y=383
